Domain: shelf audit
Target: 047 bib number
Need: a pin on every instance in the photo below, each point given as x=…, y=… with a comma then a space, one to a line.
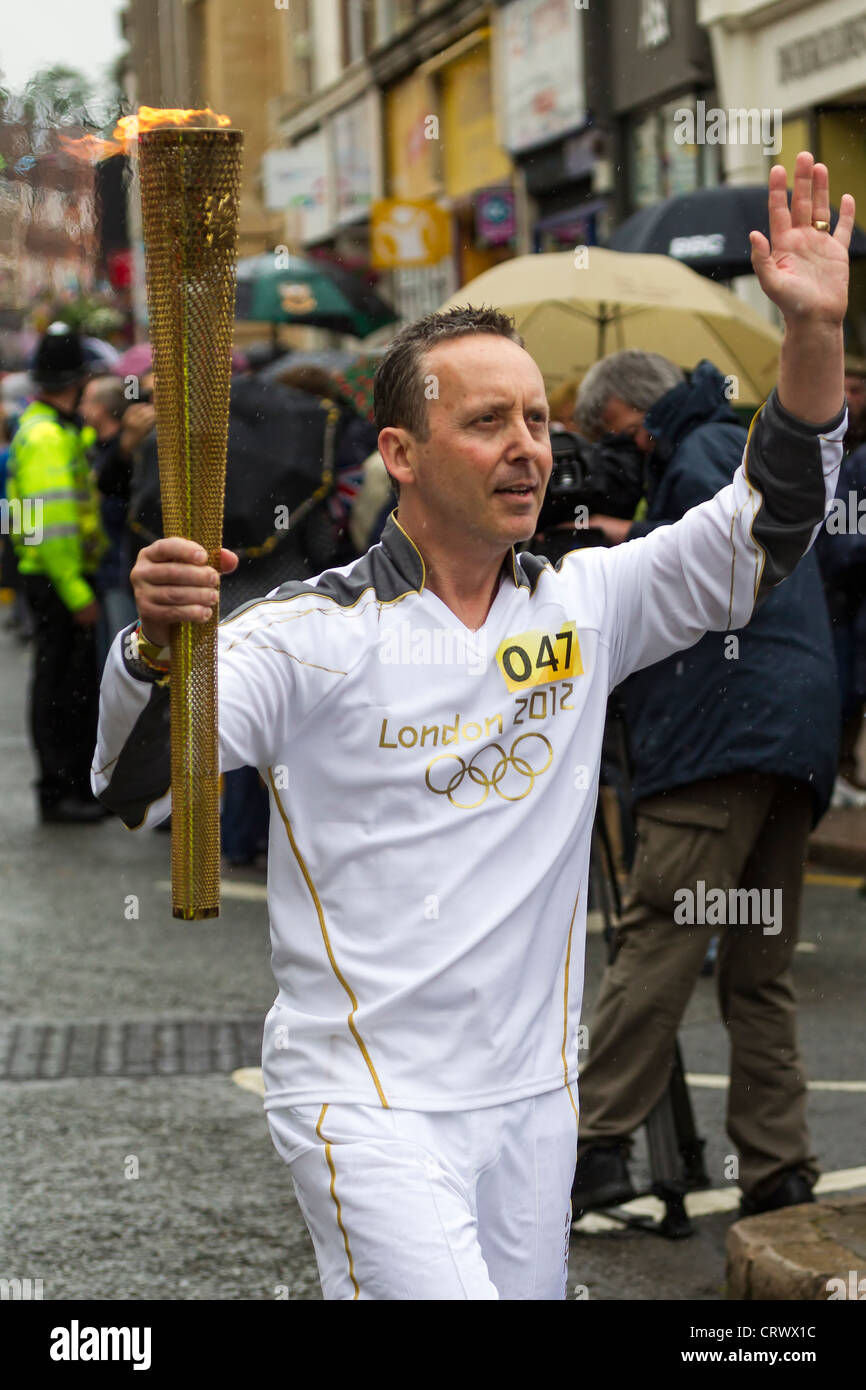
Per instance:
x=537, y=658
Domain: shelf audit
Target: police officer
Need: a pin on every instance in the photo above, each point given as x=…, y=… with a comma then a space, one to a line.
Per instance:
x=58, y=541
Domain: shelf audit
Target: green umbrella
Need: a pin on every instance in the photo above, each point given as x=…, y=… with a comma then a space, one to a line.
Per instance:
x=299, y=289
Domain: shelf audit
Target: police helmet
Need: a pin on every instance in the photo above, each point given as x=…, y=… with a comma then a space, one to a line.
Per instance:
x=59, y=360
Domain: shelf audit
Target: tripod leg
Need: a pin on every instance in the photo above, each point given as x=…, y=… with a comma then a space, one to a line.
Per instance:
x=666, y=1167
x=690, y=1143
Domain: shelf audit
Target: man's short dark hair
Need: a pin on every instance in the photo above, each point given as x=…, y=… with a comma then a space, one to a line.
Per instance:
x=399, y=397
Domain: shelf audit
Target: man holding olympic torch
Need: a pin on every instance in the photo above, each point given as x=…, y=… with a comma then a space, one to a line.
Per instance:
x=430, y=828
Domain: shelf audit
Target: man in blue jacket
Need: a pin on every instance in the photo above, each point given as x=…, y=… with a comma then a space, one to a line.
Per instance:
x=841, y=552
x=733, y=745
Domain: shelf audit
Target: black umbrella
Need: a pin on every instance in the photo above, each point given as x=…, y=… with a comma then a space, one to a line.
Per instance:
x=283, y=447
x=709, y=229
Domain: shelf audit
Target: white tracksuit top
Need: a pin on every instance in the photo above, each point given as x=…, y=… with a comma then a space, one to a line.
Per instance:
x=433, y=790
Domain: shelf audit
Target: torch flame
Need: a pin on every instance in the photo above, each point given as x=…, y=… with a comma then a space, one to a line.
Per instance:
x=128, y=128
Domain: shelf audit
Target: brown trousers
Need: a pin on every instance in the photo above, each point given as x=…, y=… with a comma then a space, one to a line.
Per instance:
x=744, y=831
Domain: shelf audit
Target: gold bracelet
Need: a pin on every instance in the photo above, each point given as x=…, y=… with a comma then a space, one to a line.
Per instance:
x=150, y=653
x=141, y=665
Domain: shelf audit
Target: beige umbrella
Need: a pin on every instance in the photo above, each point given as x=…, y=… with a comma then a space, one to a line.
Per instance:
x=574, y=307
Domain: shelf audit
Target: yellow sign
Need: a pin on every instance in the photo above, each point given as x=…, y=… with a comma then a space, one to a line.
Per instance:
x=537, y=658
x=412, y=128
x=472, y=154
x=408, y=232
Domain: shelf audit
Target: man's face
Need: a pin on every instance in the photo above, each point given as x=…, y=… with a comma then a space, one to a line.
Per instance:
x=481, y=475
x=619, y=418
x=89, y=408
x=855, y=392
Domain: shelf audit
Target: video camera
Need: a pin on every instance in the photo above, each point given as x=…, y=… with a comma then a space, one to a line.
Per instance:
x=607, y=477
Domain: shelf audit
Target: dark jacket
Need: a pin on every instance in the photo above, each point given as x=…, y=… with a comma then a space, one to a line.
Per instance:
x=841, y=543
x=773, y=708
x=113, y=470
x=841, y=551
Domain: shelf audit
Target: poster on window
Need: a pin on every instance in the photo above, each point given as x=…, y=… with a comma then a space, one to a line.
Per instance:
x=542, y=71
x=352, y=134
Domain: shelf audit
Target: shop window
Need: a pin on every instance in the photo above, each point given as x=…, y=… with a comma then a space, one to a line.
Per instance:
x=394, y=15
x=357, y=18
x=661, y=162
x=302, y=47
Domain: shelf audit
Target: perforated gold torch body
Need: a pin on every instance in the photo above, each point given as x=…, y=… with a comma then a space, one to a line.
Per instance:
x=190, y=183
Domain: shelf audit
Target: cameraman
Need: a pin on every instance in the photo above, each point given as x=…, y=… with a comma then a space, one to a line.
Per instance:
x=733, y=744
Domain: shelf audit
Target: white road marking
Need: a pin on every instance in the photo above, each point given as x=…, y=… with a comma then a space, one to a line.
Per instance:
x=250, y=1079
x=706, y=1203
x=248, y=892
x=717, y=1082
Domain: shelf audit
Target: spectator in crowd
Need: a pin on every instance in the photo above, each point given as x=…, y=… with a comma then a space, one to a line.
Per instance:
x=841, y=551
x=15, y=390
x=49, y=475
x=357, y=440
x=855, y=394
x=561, y=400
x=733, y=746
x=103, y=407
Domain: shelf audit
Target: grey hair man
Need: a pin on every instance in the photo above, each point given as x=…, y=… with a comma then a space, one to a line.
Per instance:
x=617, y=392
x=732, y=748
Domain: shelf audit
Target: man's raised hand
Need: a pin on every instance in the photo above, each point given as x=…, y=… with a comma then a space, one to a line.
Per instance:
x=801, y=269
x=173, y=583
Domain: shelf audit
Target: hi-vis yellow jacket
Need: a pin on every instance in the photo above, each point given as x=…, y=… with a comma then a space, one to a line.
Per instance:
x=56, y=528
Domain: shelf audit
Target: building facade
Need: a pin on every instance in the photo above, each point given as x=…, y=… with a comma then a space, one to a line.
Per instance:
x=803, y=63
x=419, y=142
x=388, y=155
x=48, y=244
x=196, y=53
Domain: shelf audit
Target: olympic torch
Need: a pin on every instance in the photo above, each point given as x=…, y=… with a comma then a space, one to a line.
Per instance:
x=189, y=165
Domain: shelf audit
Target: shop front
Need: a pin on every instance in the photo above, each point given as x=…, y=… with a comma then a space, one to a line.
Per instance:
x=476, y=169
x=545, y=123
x=661, y=83
x=450, y=210
x=806, y=69
x=412, y=241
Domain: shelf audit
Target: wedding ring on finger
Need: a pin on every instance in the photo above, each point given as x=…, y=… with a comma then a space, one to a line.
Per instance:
x=820, y=225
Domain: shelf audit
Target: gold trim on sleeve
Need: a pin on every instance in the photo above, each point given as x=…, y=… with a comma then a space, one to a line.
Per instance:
x=760, y=552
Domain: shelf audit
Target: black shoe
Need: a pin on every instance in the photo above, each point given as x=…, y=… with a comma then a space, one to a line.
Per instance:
x=791, y=1190
x=71, y=811
x=601, y=1178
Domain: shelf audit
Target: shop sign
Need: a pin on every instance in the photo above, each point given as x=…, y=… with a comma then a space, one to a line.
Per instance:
x=495, y=216
x=408, y=232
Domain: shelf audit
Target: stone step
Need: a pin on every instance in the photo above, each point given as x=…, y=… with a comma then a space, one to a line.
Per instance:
x=816, y=1251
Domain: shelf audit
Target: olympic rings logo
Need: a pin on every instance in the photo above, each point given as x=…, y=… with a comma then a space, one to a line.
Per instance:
x=491, y=778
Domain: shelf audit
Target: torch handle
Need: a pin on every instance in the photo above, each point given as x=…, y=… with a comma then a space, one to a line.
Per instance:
x=190, y=197
x=195, y=847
